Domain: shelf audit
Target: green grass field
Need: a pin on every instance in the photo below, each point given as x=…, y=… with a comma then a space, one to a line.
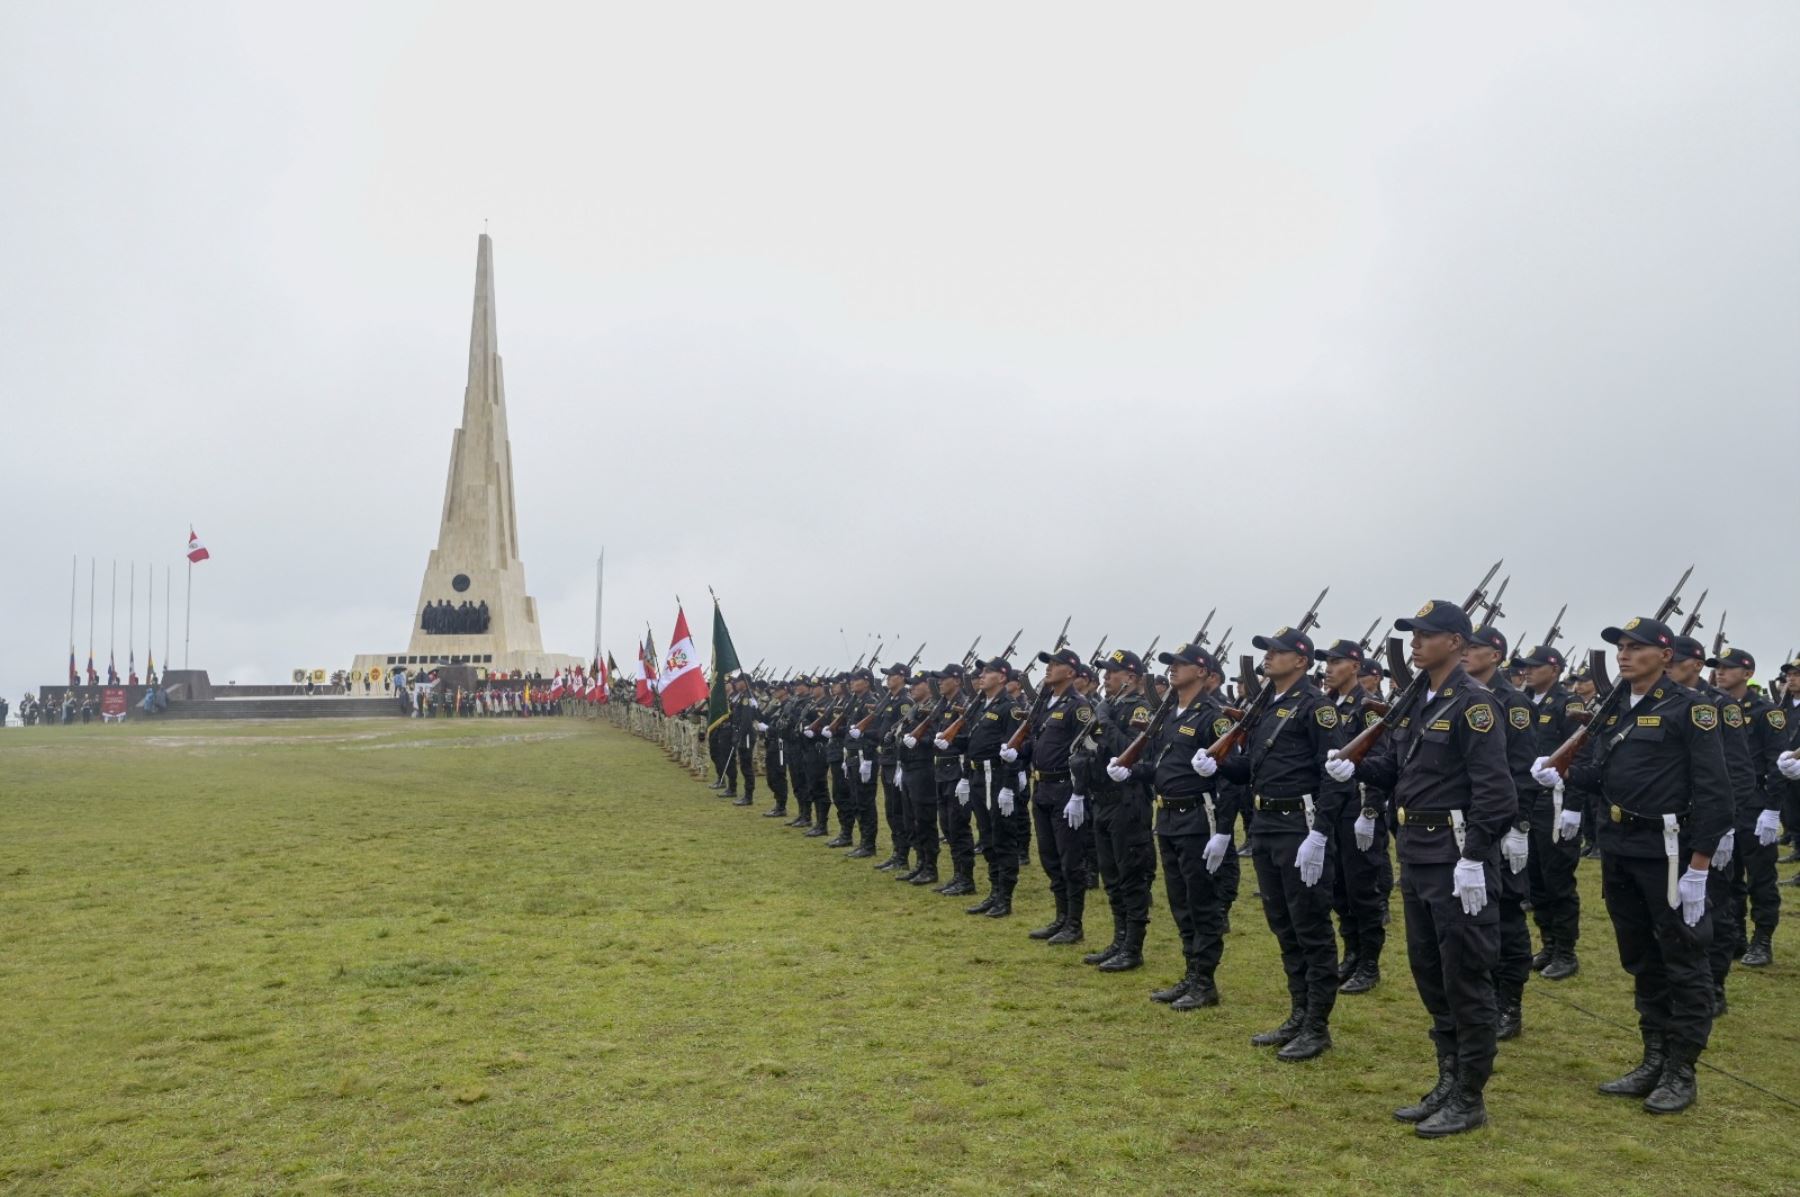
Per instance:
x=534, y=957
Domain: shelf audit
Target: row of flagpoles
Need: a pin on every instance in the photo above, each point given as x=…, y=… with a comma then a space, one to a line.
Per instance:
x=674, y=682
x=195, y=552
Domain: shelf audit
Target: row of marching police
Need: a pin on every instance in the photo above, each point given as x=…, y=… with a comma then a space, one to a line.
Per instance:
x=1484, y=769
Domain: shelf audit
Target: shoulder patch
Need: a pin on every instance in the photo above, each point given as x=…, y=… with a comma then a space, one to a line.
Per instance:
x=1777, y=718
x=1480, y=717
x=1519, y=717
x=1704, y=715
x=1140, y=716
x=1084, y=714
x=906, y=708
x=1370, y=718
x=1221, y=725
x=1734, y=716
x=1325, y=715
x=1575, y=707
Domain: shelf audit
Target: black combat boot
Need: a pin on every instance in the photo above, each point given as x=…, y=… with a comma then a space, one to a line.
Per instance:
x=960, y=884
x=1180, y=988
x=986, y=904
x=1055, y=925
x=896, y=861
x=1314, y=1037
x=1563, y=963
x=1110, y=950
x=1347, y=966
x=1283, y=1033
x=1512, y=1019
x=860, y=852
x=817, y=830
x=1433, y=1101
x=1366, y=977
x=1677, y=1088
x=1002, y=906
x=1070, y=933
x=1640, y=1081
x=1130, y=954
x=1721, y=1007
x=1463, y=1111
x=799, y=821
x=927, y=875
x=746, y=800
x=1761, y=952
x=1544, y=955
x=840, y=840
x=1201, y=994
x=911, y=873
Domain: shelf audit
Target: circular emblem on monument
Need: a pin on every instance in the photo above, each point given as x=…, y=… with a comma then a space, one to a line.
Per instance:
x=459, y=583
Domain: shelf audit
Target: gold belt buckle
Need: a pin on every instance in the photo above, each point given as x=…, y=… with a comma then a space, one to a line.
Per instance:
x=1618, y=813
x=1400, y=815
x=1259, y=802
x=1036, y=775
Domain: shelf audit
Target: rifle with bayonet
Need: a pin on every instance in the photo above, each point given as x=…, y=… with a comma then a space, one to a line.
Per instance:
x=1368, y=636
x=1494, y=611
x=1693, y=620
x=1038, y=697
x=1199, y=639
x=1364, y=740
x=1565, y=754
x=1555, y=632
x=1719, y=637
x=1094, y=657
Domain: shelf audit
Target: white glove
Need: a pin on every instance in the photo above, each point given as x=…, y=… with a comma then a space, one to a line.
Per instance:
x=1337, y=768
x=1365, y=833
x=808, y=733
x=1311, y=858
x=844, y=768
x=1470, y=884
x=899, y=774
x=1515, y=846
x=1569, y=826
x=1789, y=764
x=1768, y=827
x=1117, y=772
x=1216, y=848
x=826, y=733
x=762, y=727
x=1008, y=753
x=1004, y=800
x=1203, y=763
x=1075, y=813
x=1692, y=888
x=1544, y=775
x=1721, y=857
x=962, y=792
x=866, y=770
x=855, y=733
x=909, y=741
x=1023, y=780
x=941, y=744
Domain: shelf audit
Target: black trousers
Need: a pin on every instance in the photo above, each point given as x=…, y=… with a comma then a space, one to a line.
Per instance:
x=718, y=746
x=862, y=803
x=1513, y=966
x=776, y=769
x=1452, y=958
x=1007, y=836
x=818, y=786
x=1062, y=849
x=738, y=760
x=894, y=802
x=954, y=817
x=840, y=796
x=1753, y=883
x=1551, y=869
x=1357, y=895
x=799, y=779
x=1667, y=959
x=1127, y=853
x=921, y=812
x=1196, y=900
x=1300, y=916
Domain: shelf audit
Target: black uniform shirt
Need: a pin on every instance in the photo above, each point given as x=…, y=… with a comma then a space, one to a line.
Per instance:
x=1055, y=729
x=1284, y=757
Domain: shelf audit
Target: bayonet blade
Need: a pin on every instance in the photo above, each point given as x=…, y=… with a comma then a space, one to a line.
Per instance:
x=1480, y=591
x=1311, y=618
x=1200, y=636
x=1672, y=604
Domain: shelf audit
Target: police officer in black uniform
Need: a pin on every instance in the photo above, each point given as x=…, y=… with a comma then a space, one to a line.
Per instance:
x=991, y=724
x=1193, y=823
x=1453, y=800
x=1659, y=768
x=1282, y=760
x=1482, y=661
x=740, y=755
x=816, y=804
x=1555, y=817
x=895, y=707
x=918, y=784
x=861, y=757
x=1121, y=809
x=837, y=773
x=955, y=793
x=1058, y=811
x=773, y=729
x=1360, y=838
x=1758, y=822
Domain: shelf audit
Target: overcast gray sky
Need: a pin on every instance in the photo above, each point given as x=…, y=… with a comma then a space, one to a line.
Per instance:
x=920, y=321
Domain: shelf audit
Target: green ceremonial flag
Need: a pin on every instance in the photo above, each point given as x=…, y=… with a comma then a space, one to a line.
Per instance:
x=724, y=664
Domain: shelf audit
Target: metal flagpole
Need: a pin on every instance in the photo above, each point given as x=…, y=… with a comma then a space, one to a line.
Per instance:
x=90, y=608
x=168, y=585
x=131, y=625
x=187, y=631
x=74, y=568
x=599, y=593
x=150, y=617
x=112, y=635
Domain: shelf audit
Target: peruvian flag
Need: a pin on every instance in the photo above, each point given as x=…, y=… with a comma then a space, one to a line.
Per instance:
x=602, y=682
x=645, y=690
x=196, y=551
x=684, y=679
x=556, y=687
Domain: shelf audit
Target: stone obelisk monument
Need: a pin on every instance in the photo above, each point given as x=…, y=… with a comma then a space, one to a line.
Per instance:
x=476, y=561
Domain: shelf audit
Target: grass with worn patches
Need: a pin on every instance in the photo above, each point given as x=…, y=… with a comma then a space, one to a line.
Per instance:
x=534, y=957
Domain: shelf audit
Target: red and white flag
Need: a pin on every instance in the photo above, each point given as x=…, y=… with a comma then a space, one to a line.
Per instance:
x=196, y=550
x=645, y=690
x=684, y=676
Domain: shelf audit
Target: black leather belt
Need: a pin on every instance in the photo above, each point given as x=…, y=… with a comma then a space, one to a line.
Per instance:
x=1279, y=805
x=1625, y=818
x=1049, y=775
x=1423, y=820
x=1179, y=805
